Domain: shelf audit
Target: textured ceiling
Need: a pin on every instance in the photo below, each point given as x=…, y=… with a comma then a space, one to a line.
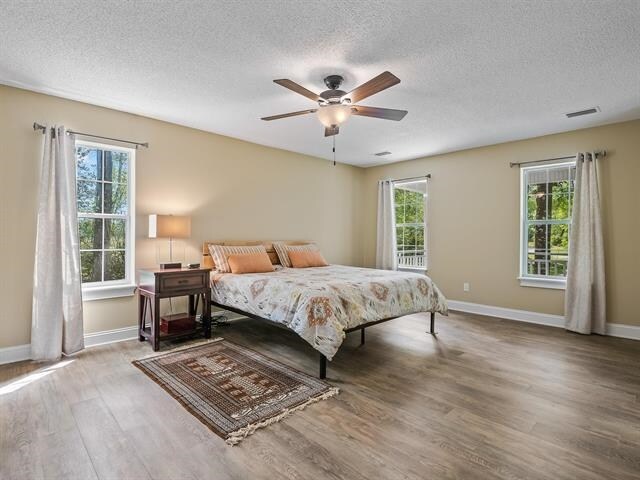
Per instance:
x=473, y=72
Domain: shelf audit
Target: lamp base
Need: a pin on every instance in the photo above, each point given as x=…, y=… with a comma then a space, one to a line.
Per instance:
x=166, y=266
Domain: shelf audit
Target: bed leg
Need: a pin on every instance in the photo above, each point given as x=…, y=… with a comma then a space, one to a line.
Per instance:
x=362, y=336
x=432, y=329
x=323, y=366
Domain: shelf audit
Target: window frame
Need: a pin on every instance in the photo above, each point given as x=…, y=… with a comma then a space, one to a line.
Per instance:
x=126, y=286
x=526, y=279
x=425, y=230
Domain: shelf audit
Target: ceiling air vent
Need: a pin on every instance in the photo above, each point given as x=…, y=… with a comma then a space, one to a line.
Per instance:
x=588, y=111
x=382, y=154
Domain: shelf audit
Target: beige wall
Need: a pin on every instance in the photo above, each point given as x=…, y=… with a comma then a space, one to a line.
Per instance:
x=236, y=189
x=474, y=218
x=231, y=188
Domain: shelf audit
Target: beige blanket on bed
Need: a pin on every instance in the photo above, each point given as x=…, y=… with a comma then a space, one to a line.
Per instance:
x=320, y=303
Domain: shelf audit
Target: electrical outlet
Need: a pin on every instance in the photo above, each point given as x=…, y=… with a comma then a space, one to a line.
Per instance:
x=465, y=286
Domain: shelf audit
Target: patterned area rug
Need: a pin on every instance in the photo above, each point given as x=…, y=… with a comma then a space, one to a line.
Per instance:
x=232, y=389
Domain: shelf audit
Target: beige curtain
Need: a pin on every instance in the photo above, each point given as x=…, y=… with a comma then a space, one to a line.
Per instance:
x=585, y=303
x=56, y=324
x=386, y=257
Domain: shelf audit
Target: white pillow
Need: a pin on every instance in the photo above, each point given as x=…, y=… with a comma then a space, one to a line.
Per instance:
x=282, y=250
x=220, y=254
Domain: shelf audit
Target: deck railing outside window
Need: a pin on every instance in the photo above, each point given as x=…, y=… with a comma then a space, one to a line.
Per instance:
x=556, y=266
x=411, y=259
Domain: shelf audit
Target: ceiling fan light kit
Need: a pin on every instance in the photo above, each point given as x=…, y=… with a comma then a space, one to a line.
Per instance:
x=335, y=106
x=332, y=115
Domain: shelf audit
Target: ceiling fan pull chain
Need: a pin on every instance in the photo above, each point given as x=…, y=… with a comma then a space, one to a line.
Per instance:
x=334, y=150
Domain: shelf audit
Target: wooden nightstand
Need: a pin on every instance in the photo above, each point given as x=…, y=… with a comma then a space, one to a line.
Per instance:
x=155, y=284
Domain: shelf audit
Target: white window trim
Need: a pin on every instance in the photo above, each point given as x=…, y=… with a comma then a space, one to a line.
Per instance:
x=554, y=283
x=107, y=291
x=126, y=287
x=425, y=222
x=527, y=280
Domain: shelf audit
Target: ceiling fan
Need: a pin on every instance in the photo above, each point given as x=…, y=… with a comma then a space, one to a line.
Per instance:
x=335, y=106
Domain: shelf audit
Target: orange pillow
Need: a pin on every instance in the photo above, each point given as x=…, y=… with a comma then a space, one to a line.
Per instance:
x=304, y=259
x=250, y=263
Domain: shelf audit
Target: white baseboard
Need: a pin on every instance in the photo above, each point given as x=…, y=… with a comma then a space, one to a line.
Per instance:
x=508, y=313
x=613, y=329
x=19, y=353
x=23, y=352
x=623, y=331
x=110, y=336
x=15, y=354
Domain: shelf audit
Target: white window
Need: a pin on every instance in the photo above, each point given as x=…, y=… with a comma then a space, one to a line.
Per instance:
x=547, y=201
x=410, y=211
x=105, y=198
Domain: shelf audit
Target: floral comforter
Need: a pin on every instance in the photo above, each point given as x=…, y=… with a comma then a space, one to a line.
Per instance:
x=320, y=303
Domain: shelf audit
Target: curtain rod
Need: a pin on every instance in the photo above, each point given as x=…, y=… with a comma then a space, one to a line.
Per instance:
x=516, y=164
x=428, y=175
x=37, y=126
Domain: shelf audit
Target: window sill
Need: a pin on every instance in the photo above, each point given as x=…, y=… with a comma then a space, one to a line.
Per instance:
x=413, y=269
x=111, y=291
x=552, y=283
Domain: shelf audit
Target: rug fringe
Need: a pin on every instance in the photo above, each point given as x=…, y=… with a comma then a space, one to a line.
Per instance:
x=181, y=347
x=236, y=437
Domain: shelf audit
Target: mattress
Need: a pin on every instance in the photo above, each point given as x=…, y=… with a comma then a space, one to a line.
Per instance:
x=319, y=304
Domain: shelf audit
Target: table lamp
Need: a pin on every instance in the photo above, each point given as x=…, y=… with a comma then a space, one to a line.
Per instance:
x=171, y=227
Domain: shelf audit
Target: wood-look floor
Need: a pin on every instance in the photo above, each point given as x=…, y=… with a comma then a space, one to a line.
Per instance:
x=486, y=399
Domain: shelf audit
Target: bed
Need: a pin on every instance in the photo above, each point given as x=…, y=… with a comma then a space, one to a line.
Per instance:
x=322, y=304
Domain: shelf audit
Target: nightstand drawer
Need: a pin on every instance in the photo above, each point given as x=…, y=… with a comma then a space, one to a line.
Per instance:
x=182, y=282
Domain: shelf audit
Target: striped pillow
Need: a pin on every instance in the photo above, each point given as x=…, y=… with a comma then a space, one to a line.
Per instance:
x=282, y=250
x=220, y=254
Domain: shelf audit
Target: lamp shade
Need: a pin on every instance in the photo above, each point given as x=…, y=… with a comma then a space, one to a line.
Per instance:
x=169, y=226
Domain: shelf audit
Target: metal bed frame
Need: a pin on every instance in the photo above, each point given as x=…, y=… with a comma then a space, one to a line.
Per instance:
x=323, y=359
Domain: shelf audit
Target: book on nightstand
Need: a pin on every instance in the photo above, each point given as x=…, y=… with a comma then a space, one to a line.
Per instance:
x=178, y=322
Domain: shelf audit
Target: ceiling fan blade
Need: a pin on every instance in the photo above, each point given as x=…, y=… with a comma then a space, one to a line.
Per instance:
x=291, y=85
x=384, y=113
x=373, y=86
x=292, y=114
x=331, y=131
